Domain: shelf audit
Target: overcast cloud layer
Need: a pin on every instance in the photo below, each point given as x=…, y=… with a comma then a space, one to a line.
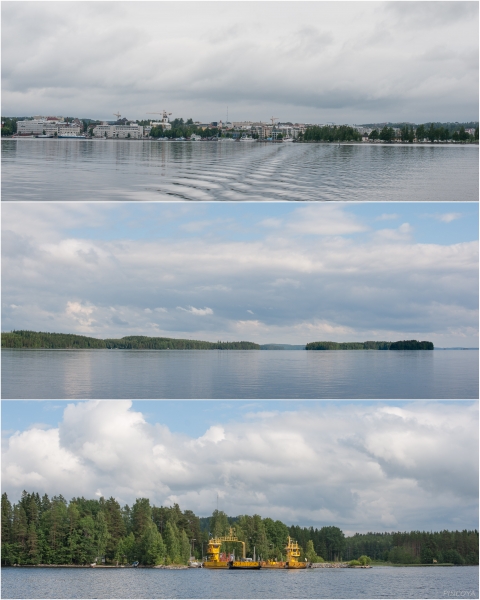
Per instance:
x=362, y=468
x=346, y=62
x=290, y=275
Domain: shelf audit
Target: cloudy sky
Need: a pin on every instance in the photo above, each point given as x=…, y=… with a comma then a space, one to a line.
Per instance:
x=272, y=272
x=342, y=62
x=360, y=466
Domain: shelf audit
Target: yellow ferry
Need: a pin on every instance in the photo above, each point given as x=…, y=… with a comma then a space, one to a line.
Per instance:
x=293, y=552
x=213, y=555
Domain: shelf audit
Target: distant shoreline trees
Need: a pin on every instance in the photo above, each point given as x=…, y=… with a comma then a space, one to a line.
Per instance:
x=43, y=530
x=71, y=341
x=407, y=133
x=37, y=339
x=401, y=345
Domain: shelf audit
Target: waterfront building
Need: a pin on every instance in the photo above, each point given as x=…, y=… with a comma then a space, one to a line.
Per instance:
x=47, y=126
x=165, y=125
x=132, y=131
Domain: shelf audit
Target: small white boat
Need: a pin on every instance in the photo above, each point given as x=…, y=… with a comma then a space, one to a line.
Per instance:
x=72, y=137
x=246, y=138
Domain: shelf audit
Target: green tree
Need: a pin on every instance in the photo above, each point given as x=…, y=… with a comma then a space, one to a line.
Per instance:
x=420, y=133
x=101, y=534
x=116, y=526
x=387, y=134
x=86, y=548
x=172, y=543
x=334, y=541
x=184, y=548
x=141, y=516
x=453, y=556
x=7, y=517
x=32, y=548
x=151, y=549
x=219, y=524
x=126, y=549
x=310, y=553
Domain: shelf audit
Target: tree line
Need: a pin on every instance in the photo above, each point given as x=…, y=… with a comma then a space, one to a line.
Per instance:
x=327, y=133
x=427, y=132
x=38, y=339
x=401, y=345
x=181, y=128
x=43, y=530
x=416, y=547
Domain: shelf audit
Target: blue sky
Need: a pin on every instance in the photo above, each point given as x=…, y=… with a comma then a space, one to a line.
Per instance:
x=362, y=466
x=191, y=417
x=435, y=222
x=263, y=272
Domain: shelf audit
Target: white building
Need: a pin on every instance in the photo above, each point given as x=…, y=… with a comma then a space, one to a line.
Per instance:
x=121, y=132
x=165, y=125
x=47, y=126
x=132, y=131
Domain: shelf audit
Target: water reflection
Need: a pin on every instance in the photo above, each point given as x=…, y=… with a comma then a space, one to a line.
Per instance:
x=145, y=170
x=236, y=374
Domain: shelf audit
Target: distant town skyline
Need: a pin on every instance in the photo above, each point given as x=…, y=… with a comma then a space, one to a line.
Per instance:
x=315, y=62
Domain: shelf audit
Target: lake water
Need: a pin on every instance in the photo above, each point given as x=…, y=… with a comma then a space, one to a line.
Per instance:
x=216, y=374
x=379, y=582
x=35, y=169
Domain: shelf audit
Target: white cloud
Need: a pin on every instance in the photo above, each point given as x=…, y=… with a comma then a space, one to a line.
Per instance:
x=84, y=65
x=359, y=281
x=82, y=315
x=359, y=467
x=449, y=217
x=197, y=311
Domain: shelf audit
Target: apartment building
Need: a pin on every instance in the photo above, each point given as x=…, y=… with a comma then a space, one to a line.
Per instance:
x=132, y=131
x=47, y=126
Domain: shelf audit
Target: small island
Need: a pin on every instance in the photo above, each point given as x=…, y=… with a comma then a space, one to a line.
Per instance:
x=402, y=345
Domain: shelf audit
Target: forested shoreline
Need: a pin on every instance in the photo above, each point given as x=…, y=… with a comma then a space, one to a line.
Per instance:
x=38, y=339
x=71, y=341
x=401, y=345
x=42, y=530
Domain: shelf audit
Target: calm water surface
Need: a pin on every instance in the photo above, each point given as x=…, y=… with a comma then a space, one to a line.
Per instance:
x=216, y=374
x=144, y=170
x=379, y=582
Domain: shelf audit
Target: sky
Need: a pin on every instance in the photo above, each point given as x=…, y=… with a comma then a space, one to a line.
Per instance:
x=361, y=466
x=317, y=62
x=260, y=272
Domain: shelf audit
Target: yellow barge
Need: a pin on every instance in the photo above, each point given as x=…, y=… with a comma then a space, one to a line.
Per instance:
x=213, y=561
x=213, y=555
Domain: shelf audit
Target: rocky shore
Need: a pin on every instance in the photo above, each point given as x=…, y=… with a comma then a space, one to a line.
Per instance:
x=326, y=565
